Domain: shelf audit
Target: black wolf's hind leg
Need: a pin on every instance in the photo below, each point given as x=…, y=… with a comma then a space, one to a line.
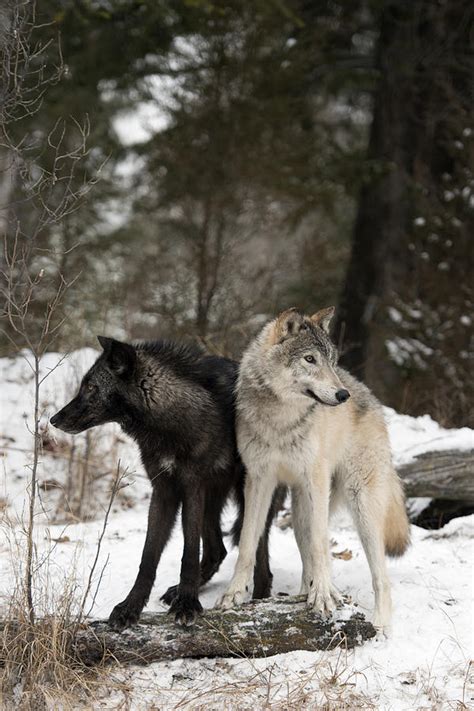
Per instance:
x=262, y=576
x=161, y=516
x=213, y=548
x=170, y=594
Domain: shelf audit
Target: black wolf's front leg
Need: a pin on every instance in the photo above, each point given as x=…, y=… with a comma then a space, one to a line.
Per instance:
x=161, y=516
x=186, y=605
x=213, y=548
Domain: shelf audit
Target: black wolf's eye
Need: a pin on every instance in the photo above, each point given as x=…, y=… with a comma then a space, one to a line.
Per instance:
x=90, y=387
x=309, y=359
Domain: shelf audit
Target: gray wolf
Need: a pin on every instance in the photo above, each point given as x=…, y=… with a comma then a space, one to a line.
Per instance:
x=178, y=404
x=304, y=422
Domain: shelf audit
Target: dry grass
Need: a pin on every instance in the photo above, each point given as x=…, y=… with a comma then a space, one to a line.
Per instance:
x=38, y=666
x=328, y=684
x=249, y=684
x=39, y=670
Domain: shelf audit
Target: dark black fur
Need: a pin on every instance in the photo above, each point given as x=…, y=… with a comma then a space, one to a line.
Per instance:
x=178, y=404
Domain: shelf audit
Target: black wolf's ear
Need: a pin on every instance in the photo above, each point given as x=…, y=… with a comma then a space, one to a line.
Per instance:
x=120, y=357
x=287, y=324
x=105, y=343
x=323, y=318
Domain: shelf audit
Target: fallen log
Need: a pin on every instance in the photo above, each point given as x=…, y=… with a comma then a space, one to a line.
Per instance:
x=440, y=475
x=256, y=629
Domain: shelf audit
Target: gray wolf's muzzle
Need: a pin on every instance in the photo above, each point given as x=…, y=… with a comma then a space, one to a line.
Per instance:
x=342, y=395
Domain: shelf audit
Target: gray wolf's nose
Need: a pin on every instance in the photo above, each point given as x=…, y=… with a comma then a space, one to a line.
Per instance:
x=342, y=395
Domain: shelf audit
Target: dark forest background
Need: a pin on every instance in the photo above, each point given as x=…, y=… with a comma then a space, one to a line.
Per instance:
x=291, y=152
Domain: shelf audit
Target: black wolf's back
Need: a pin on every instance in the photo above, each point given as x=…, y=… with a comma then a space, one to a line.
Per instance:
x=217, y=374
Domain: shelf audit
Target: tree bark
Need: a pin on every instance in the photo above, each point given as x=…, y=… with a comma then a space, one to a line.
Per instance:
x=258, y=628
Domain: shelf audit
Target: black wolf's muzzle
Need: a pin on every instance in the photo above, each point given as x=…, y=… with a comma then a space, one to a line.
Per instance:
x=64, y=423
x=55, y=419
x=73, y=418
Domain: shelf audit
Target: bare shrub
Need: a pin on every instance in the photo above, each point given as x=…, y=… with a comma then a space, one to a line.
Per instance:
x=38, y=633
x=40, y=668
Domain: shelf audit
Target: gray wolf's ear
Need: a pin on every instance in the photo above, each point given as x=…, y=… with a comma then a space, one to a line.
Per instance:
x=324, y=317
x=287, y=324
x=120, y=357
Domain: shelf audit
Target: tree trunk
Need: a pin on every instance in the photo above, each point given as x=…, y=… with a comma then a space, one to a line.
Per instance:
x=440, y=475
x=258, y=628
x=422, y=110
x=381, y=212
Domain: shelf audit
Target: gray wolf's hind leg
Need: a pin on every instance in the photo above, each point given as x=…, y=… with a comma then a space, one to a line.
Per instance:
x=368, y=518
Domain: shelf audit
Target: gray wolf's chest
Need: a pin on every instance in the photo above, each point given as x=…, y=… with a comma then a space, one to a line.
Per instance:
x=282, y=441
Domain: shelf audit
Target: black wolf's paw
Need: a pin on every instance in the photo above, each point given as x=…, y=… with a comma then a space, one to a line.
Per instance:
x=124, y=615
x=185, y=610
x=211, y=563
x=170, y=595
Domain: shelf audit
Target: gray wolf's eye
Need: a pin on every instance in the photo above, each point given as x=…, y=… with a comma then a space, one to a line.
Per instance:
x=309, y=359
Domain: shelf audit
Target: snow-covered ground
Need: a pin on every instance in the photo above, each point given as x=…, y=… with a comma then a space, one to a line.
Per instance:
x=424, y=664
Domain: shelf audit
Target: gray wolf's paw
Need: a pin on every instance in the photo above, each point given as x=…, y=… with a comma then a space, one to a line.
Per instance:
x=185, y=609
x=232, y=598
x=322, y=599
x=337, y=597
x=382, y=626
x=170, y=595
x=125, y=614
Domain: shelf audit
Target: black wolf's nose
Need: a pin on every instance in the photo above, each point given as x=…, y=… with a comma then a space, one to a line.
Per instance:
x=54, y=419
x=342, y=395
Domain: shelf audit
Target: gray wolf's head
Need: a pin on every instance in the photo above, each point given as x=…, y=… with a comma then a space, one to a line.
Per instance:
x=300, y=358
x=104, y=391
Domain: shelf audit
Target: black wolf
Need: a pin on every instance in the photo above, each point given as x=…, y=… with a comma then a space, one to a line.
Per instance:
x=179, y=405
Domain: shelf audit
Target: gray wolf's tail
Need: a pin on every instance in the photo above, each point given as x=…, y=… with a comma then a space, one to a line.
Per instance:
x=397, y=525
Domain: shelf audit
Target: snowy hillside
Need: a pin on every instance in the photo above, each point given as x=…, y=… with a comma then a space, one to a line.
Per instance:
x=424, y=664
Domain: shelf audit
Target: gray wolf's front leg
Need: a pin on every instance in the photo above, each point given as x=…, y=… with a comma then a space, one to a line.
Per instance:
x=258, y=493
x=300, y=513
x=313, y=514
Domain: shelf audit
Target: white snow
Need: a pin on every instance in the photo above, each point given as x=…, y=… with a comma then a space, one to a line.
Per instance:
x=424, y=663
x=411, y=436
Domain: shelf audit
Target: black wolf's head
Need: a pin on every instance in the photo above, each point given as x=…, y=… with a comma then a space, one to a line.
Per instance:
x=303, y=358
x=104, y=390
